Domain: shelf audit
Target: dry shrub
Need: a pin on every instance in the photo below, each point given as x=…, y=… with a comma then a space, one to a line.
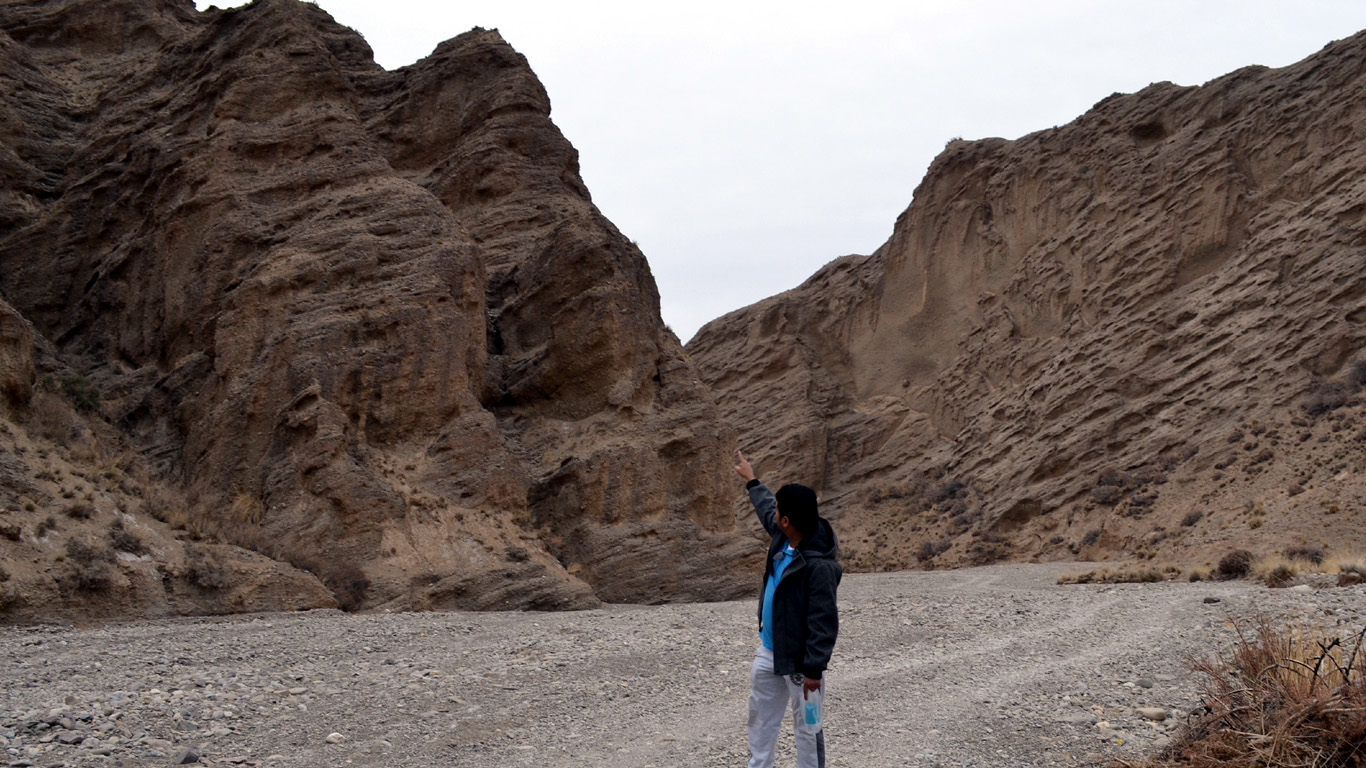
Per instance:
x=1312, y=555
x=204, y=569
x=1344, y=563
x=1326, y=395
x=11, y=531
x=166, y=505
x=51, y=417
x=1284, y=696
x=125, y=540
x=88, y=568
x=80, y=391
x=1192, y=518
x=929, y=550
x=1125, y=574
x=246, y=510
x=81, y=510
x=1235, y=565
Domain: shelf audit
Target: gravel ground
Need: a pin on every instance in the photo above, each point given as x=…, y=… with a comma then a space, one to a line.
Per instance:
x=991, y=666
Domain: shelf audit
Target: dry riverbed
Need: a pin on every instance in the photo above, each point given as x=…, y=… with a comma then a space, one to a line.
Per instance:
x=991, y=666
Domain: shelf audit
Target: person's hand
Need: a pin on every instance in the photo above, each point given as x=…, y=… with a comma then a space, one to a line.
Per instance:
x=743, y=469
x=809, y=685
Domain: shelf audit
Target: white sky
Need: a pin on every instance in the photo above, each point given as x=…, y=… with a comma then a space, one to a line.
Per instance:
x=743, y=145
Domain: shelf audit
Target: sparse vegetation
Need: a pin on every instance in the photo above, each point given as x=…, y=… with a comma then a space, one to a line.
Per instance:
x=204, y=569
x=1284, y=696
x=80, y=510
x=125, y=540
x=1326, y=395
x=80, y=391
x=1129, y=574
x=1313, y=555
x=929, y=550
x=1191, y=518
x=88, y=568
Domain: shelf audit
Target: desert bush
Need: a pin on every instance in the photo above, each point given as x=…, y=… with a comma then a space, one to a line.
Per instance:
x=1090, y=538
x=957, y=508
x=80, y=510
x=1199, y=574
x=125, y=540
x=1325, y=395
x=1192, y=518
x=985, y=553
x=204, y=569
x=49, y=524
x=1280, y=575
x=953, y=488
x=1235, y=565
x=1312, y=555
x=11, y=531
x=88, y=568
x=1283, y=696
x=1127, y=574
x=929, y=550
x=80, y=391
x=166, y=505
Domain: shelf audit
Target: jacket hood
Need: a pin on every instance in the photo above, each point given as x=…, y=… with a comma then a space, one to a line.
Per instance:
x=822, y=543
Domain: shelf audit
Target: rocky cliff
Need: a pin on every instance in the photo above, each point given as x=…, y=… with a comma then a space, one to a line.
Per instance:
x=366, y=322
x=1137, y=335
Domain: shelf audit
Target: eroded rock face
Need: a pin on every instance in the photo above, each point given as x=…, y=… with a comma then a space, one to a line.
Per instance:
x=1074, y=340
x=366, y=318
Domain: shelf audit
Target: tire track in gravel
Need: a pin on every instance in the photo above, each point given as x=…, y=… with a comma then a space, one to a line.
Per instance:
x=969, y=662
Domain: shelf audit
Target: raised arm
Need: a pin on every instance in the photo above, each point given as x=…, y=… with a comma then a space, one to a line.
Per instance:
x=765, y=506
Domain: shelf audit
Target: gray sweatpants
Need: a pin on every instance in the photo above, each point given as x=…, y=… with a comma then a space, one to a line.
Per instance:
x=770, y=696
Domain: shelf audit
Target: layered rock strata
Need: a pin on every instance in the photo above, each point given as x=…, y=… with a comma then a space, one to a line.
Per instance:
x=368, y=321
x=1109, y=338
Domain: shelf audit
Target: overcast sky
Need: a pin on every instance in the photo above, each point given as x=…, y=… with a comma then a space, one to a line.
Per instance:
x=743, y=145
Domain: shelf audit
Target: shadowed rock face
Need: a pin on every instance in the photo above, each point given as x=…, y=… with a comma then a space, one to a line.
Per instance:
x=1095, y=329
x=365, y=318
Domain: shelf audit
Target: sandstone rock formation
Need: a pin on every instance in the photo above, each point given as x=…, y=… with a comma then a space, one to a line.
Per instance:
x=369, y=322
x=1126, y=336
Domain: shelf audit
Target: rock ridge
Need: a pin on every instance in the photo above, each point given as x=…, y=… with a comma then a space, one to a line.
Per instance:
x=1076, y=341
x=366, y=322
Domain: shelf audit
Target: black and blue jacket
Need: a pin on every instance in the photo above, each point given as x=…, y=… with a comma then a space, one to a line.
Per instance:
x=805, y=618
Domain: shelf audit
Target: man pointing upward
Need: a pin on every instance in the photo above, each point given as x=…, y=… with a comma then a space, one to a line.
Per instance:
x=798, y=620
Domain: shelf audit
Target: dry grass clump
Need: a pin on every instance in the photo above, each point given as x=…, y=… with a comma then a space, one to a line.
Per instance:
x=1284, y=696
x=1132, y=574
x=1235, y=565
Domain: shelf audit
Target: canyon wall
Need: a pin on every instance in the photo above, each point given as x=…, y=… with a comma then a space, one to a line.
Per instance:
x=1135, y=335
x=366, y=322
